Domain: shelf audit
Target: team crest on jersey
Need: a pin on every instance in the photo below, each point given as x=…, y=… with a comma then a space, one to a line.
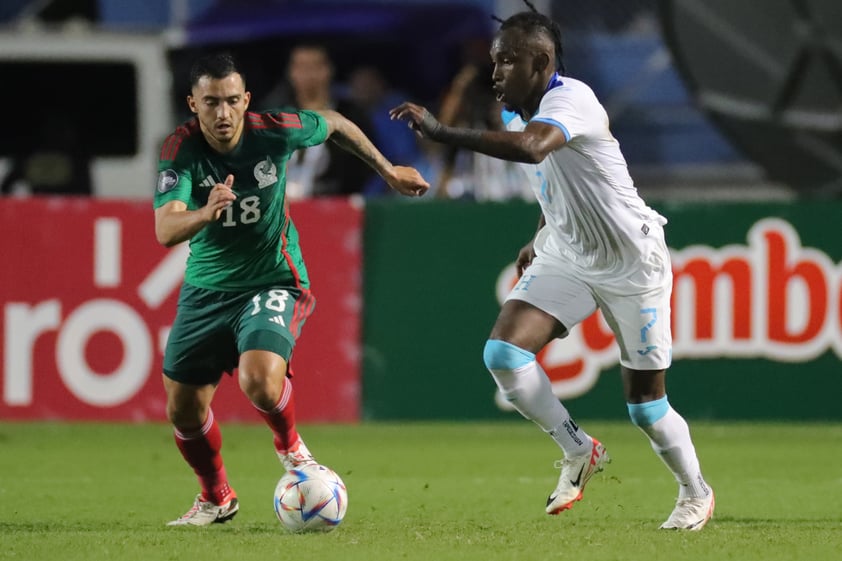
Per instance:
x=266, y=173
x=167, y=180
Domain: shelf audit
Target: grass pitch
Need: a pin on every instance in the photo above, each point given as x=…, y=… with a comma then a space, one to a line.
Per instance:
x=425, y=491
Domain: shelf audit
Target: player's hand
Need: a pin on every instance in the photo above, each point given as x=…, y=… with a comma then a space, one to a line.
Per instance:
x=524, y=258
x=407, y=181
x=220, y=197
x=418, y=119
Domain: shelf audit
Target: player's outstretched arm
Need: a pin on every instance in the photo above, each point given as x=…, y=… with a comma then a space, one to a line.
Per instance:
x=175, y=224
x=405, y=180
x=530, y=146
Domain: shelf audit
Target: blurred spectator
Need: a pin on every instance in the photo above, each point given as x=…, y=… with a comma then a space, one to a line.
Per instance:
x=325, y=169
x=56, y=162
x=469, y=102
x=50, y=11
x=369, y=90
x=59, y=11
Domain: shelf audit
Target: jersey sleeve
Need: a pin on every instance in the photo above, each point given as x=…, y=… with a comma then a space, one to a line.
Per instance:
x=300, y=129
x=573, y=111
x=175, y=177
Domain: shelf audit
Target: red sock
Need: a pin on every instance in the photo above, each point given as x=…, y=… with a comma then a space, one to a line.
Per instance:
x=281, y=419
x=201, y=448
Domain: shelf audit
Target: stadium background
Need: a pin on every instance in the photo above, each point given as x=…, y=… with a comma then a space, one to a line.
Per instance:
x=87, y=294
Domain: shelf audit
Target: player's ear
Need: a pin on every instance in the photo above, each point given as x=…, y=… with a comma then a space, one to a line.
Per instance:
x=191, y=103
x=541, y=61
x=246, y=100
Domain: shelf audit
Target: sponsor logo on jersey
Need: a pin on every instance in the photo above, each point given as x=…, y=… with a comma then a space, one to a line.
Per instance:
x=209, y=181
x=167, y=180
x=266, y=173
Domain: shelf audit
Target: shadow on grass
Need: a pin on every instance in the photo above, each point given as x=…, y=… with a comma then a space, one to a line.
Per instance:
x=770, y=523
x=8, y=528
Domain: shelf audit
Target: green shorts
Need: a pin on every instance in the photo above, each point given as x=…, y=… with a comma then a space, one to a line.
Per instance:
x=213, y=328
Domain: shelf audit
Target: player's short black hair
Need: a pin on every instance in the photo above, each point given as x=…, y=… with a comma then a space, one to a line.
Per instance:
x=532, y=22
x=214, y=65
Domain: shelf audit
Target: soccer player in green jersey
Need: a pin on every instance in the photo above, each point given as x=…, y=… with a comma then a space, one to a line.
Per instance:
x=221, y=186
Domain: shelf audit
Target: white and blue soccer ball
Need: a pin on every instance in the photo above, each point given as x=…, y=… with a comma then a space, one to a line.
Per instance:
x=311, y=499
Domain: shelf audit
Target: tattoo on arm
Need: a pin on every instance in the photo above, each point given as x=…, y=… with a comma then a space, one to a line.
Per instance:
x=349, y=137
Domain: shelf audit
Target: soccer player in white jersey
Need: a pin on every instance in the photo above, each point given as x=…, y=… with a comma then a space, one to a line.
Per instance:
x=598, y=245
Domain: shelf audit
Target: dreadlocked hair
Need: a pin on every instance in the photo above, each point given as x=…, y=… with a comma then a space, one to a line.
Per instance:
x=535, y=22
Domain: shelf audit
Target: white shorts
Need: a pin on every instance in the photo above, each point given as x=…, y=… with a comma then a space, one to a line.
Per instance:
x=638, y=316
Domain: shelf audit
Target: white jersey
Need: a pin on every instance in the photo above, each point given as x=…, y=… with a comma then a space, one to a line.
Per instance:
x=595, y=218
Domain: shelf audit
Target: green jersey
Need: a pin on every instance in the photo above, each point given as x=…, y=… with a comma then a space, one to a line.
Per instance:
x=254, y=243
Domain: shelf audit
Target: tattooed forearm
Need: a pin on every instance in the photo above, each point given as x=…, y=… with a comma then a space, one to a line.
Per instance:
x=348, y=136
x=366, y=153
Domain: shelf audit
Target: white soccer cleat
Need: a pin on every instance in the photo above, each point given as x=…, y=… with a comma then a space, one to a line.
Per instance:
x=575, y=473
x=691, y=514
x=205, y=513
x=297, y=457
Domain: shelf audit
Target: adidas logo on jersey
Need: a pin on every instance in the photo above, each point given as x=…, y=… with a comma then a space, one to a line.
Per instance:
x=209, y=181
x=278, y=319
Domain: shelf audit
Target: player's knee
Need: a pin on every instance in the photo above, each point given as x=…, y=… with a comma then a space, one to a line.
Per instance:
x=648, y=413
x=500, y=355
x=187, y=406
x=261, y=388
x=261, y=376
x=186, y=417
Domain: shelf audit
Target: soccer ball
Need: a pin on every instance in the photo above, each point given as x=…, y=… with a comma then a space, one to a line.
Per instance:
x=311, y=499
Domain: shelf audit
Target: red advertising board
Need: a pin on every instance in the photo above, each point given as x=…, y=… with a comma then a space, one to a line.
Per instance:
x=88, y=296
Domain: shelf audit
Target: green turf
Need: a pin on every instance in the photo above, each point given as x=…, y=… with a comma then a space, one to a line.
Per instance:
x=427, y=491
